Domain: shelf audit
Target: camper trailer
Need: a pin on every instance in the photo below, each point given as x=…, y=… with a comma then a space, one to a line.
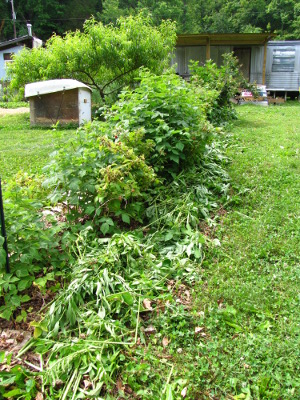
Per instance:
x=283, y=67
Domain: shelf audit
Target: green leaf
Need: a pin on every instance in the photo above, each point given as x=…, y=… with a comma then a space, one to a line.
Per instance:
x=6, y=314
x=237, y=327
x=125, y=218
x=174, y=158
x=25, y=298
x=197, y=253
x=41, y=282
x=104, y=228
x=169, y=395
x=24, y=284
x=89, y=210
x=71, y=313
x=2, y=357
x=168, y=236
x=12, y=393
x=109, y=221
x=15, y=300
x=180, y=146
x=128, y=298
x=2, y=257
x=37, y=332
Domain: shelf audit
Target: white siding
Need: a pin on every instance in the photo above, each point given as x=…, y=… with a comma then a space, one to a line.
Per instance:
x=85, y=105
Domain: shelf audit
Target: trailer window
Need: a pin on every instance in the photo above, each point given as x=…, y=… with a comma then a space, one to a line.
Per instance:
x=283, y=59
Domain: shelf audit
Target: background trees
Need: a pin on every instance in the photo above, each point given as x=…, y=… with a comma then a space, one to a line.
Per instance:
x=191, y=16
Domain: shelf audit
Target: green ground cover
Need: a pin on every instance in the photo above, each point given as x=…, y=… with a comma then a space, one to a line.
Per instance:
x=249, y=298
x=13, y=104
x=232, y=332
x=23, y=148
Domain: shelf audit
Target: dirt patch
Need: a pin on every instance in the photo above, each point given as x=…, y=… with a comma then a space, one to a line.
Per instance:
x=12, y=111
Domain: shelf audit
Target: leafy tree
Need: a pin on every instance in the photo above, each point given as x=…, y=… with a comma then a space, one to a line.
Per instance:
x=296, y=22
x=44, y=15
x=282, y=13
x=167, y=9
x=6, y=26
x=191, y=16
x=104, y=57
x=77, y=11
x=112, y=11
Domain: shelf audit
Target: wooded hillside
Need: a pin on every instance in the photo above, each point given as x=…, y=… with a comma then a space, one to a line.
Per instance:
x=192, y=16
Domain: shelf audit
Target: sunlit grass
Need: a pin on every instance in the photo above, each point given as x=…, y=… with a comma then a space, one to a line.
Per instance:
x=25, y=148
x=250, y=292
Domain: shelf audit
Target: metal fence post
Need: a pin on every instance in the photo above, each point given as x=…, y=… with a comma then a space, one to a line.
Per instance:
x=3, y=232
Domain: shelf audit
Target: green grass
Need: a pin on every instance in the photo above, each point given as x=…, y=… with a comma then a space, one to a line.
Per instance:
x=248, y=302
x=13, y=104
x=26, y=148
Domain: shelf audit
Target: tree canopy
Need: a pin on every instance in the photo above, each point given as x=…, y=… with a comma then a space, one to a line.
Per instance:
x=191, y=16
x=105, y=57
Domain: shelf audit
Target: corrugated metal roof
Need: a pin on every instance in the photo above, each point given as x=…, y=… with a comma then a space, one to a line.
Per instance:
x=224, y=39
x=284, y=43
x=52, y=86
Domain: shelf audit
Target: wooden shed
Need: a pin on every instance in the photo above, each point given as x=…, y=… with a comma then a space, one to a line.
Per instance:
x=66, y=101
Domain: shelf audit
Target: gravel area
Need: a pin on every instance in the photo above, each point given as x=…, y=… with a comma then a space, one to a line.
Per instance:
x=11, y=111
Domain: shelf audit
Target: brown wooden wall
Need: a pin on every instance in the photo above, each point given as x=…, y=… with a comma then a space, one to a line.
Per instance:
x=50, y=108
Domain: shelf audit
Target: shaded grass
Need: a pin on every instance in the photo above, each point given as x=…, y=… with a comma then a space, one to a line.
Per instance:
x=24, y=148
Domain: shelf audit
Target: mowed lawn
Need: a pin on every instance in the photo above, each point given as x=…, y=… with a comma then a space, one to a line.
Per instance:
x=25, y=148
x=249, y=300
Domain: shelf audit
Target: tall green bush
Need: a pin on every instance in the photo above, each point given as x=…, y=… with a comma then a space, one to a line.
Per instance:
x=172, y=115
x=225, y=81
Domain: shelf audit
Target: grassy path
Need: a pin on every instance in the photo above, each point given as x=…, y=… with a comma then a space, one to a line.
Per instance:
x=250, y=292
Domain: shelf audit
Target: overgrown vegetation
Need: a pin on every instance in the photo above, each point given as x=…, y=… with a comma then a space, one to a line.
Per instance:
x=279, y=16
x=104, y=57
x=224, y=83
x=144, y=294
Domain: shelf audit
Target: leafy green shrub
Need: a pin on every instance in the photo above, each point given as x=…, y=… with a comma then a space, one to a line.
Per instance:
x=17, y=383
x=33, y=243
x=224, y=81
x=99, y=178
x=173, y=116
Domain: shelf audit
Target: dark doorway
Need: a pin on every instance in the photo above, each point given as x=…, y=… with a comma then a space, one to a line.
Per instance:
x=244, y=57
